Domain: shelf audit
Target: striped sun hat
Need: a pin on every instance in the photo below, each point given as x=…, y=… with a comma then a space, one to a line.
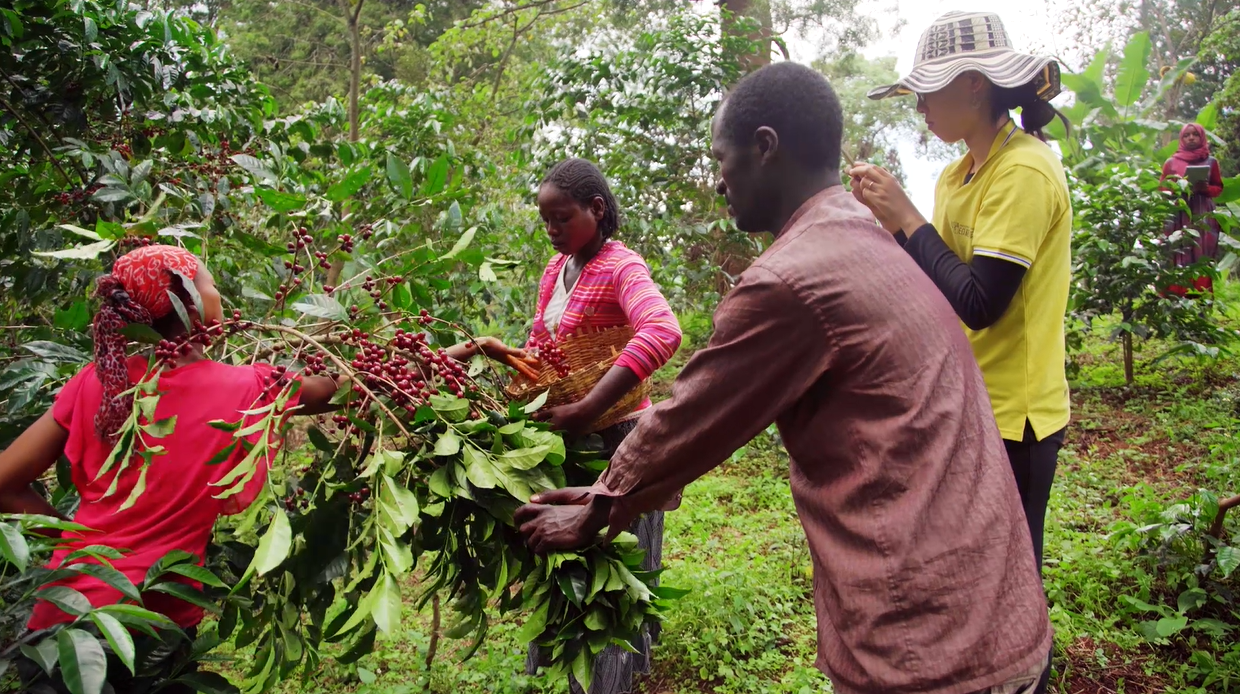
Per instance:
x=959, y=42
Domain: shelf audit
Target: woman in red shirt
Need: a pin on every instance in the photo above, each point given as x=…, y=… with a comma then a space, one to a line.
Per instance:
x=179, y=506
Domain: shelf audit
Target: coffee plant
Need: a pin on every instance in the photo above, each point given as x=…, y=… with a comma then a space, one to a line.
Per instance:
x=1122, y=256
x=360, y=258
x=421, y=464
x=76, y=653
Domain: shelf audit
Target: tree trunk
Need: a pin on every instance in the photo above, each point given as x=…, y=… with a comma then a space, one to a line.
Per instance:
x=759, y=10
x=434, y=644
x=351, y=15
x=733, y=258
x=355, y=67
x=1127, y=340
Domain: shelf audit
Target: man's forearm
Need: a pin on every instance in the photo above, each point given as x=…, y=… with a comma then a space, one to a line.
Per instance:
x=765, y=352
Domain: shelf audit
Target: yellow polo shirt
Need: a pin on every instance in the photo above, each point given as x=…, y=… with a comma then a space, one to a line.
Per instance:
x=1017, y=208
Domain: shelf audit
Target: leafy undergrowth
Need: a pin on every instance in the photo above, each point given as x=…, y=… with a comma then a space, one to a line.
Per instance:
x=748, y=624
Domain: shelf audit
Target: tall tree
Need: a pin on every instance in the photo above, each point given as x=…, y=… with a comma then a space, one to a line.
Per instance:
x=835, y=26
x=872, y=129
x=488, y=61
x=352, y=10
x=1218, y=60
x=760, y=29
x=315, y=60
x=1178, y=29
x=832, y=26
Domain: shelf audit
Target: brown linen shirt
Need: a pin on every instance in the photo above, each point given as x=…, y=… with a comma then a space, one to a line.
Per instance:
x=924, y=578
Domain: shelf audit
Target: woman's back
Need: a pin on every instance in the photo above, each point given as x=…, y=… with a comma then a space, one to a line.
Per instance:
x=177, y=505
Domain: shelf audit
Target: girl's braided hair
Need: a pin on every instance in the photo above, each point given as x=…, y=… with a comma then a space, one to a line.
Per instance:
x=583, y=182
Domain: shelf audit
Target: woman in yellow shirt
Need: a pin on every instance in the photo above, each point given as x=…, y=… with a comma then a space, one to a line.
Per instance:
x=999, y=245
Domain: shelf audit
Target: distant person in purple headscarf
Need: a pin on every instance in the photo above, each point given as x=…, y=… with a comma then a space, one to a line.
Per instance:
x=1194, y=152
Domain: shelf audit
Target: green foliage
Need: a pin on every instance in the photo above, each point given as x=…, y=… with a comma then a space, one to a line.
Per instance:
x=297, y=223
x=640, y=108
x=872, y=128
x=441, y=479
x=1123, y=257
x=1196, y=567
x=139, y=85
x=652, y=142
x=1123, y=260
x=1218, y=57
x=120, y=124
x=1124, y=485
x=74, y=653
x=307, y=59
x=1120, y=117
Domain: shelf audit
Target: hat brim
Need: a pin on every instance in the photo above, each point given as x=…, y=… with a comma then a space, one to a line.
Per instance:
x=1005, y=68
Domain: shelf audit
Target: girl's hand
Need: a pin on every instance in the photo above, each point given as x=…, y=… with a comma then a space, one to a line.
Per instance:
x=317, y=393
x=877, y=189
x=572, y=419
x=495, y=349
x=492, y=347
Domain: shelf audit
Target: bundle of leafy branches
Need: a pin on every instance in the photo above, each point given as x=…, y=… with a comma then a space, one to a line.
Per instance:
x=411, y=468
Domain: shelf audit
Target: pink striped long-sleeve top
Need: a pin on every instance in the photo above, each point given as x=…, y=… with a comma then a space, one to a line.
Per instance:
x=615, y=288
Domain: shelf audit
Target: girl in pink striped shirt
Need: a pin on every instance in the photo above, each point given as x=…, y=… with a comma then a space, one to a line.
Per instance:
x=595, y=282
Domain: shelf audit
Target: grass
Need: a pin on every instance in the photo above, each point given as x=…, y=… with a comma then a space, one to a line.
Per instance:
x=748, y=624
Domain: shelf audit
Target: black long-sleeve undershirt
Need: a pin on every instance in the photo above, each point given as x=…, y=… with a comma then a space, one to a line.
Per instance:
x=979, y=292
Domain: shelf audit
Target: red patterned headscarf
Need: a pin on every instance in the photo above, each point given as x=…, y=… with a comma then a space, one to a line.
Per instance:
x=136, y=291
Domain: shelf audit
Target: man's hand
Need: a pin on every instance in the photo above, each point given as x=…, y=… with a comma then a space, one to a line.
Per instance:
x=562, y=519
x=573, y=419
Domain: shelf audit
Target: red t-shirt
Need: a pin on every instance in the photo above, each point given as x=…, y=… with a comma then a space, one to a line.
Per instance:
x=178, y=508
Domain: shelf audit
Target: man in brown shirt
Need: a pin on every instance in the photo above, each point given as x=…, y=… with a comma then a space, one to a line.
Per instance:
x=923, y=578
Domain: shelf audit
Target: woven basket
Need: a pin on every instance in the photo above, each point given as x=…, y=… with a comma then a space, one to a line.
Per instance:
x=590, y=355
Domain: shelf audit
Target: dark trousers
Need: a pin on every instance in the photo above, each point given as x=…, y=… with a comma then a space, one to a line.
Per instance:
x=1033, y=463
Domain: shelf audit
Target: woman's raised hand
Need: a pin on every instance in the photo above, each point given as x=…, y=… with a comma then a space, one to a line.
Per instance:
x=877, y=189
x=492, y=347
x=495, y=349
